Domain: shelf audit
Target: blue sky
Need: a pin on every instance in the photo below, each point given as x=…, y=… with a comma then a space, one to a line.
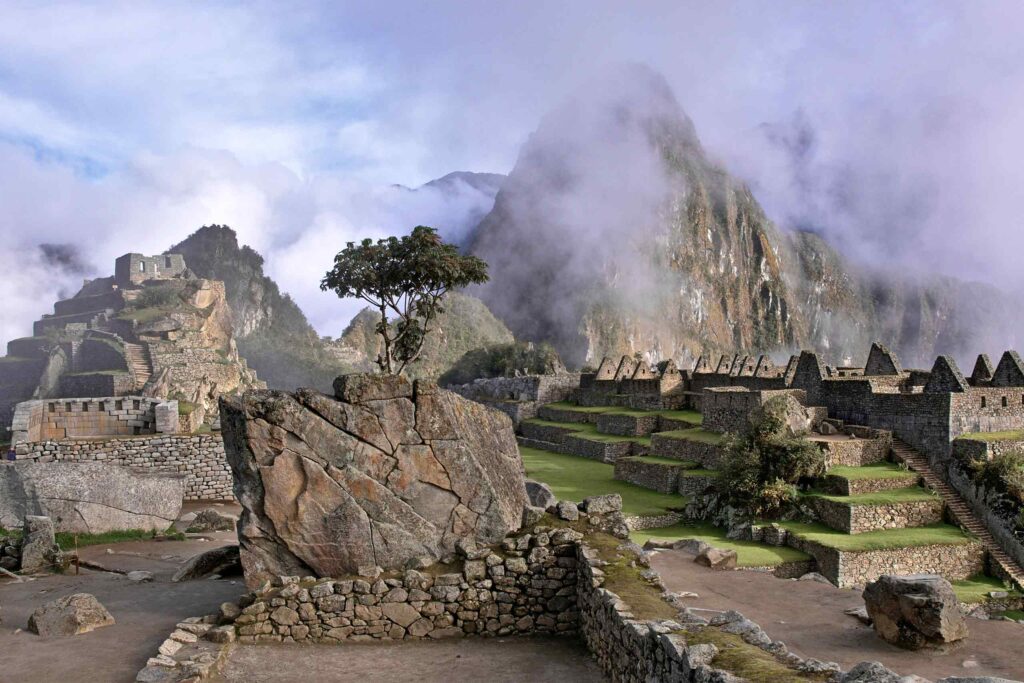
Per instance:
x=125, y=126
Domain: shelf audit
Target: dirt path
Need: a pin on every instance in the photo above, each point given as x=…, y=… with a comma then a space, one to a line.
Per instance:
x=495, y=660
x=808, y=617
x=145, y=613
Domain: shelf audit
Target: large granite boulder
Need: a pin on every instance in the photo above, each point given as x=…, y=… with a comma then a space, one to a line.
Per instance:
x=90, y=497
x=383, y=473
x=915, y=611
x=70, y=616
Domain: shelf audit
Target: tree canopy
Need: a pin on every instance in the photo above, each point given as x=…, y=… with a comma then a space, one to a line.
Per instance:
x=405, y=279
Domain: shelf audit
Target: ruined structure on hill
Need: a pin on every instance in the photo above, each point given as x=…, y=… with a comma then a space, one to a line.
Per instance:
x=151, y=330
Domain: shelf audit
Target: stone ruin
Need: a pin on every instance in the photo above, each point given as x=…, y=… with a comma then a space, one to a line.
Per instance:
x=386, y=473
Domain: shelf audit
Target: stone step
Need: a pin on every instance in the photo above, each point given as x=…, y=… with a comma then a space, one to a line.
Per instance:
x=959, y=509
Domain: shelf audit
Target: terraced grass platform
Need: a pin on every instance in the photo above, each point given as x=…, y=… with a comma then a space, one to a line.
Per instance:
x=748, y=553
x=864, y=512
x=976, y=589
x=855, y=559
x=881, y=476
x=573, y=478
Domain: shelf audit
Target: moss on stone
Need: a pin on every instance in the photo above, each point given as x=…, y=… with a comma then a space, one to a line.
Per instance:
x=747, y=661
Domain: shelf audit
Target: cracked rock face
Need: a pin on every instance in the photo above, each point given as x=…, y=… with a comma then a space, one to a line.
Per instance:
x=383, y=473
x=89, y=497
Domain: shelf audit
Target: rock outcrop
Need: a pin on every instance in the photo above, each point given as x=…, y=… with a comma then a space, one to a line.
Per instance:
x=90, y=497
x=915, y=611
x=70, y=616
x=383, y=473
x=39, y=549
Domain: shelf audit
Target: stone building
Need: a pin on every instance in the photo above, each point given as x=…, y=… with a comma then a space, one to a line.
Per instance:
x=134, y=269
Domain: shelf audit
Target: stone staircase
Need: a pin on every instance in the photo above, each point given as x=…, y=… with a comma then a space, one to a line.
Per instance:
x=958, y=508
x=139, y=363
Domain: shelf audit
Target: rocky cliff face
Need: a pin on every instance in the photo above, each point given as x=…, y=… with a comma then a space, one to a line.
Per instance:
x=272, y=332
x=615, y=233
x=384, y=473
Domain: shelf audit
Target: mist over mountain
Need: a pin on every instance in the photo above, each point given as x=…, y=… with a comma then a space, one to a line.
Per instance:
x=616, y=232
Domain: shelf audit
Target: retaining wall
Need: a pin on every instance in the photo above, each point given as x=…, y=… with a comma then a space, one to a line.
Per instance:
x=856, y=519
x=200, y=457
x=710, y=456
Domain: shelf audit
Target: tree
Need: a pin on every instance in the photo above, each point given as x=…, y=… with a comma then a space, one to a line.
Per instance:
x=406, y=277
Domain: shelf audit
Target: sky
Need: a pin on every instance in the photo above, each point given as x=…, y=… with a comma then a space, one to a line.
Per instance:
x=892, y=128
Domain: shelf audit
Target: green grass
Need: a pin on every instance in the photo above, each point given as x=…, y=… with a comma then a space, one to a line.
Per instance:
x=913, y=494
x=748, y=553
x=565, y=405
x=880, y=470
x=658, y=460
x=887, y=539
x=1015, y=614
x=574, y=426
x=574, y=478
x=748, y=662
x=701, y=435
x=690, y=416
x=1015, y=435
x=589, y=431
x=977, y=588
x=66, y=540
x=697, y=472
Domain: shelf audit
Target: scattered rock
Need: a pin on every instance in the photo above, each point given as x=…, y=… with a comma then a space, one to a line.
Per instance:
x=531, y=516
x=691, y=545
x=815, y=576
x=915, y=611
x=211, y=520
x=540, y=494
x=69, y=616
x=716, y=558
x=870, y=672
x=998, y=594
x=567, y=510
x=139, y=576
x=223, y=560
x=860, y=614
x=602, y=505
x=39, y=550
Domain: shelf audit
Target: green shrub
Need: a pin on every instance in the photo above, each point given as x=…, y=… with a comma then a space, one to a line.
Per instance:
x=1004, y=474
x=159, y=296
x=765, y=464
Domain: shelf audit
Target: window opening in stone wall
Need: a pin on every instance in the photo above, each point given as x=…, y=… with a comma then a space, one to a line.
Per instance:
x=983, y=401
x=118, y=405
x=103, y=406
x=135, y=405
x=53, y=406
x=1005, y=402
x=142, y=266
x=67, y=407
x=167, y=261
x=85, y=407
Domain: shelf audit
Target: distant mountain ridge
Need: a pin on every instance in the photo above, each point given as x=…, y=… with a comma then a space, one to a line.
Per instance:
x=615, y=233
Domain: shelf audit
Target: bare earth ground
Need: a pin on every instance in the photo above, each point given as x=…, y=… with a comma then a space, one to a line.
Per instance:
x=495, y=660
x=808, y=617
x=145, y=613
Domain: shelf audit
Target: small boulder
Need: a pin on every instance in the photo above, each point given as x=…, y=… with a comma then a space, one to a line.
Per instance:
x=716, y=558
x=211, y=520
x=602, y=505
x=915, y=611
x=540, y=494
x=567, y=510
x=870, y=672
x=816, y=577
x=139, y=576
x=224, y=561
x=531, y=515
x=70, y=616
x=691, y=545
x=39, y=550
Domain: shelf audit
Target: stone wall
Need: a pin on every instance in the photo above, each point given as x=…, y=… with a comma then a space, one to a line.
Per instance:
x=996, y=512
x=56, y=419
x=847, y=569
x=626, y=425
x=200, y=457
x=856, y=519
x=520, y=397
x=726, y=409
x=528, y=586
x=605, y=451
x=650, y=475
x=710, y=456
x=853, y=452
x=976, y=449
x=113, y=383
x=695, y=484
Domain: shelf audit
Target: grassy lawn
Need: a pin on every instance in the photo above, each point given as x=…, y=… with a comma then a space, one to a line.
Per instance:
x=67, y=541
x=701, y=435
x=565, y=405
x=880, y=470
x=574, y=478
x=1016, y=435
x=574, y=426
x=887, y=539
x=589, y=431
x=912, y=494
x=1015, y=614
x=671, y=462
x=697, y=472
x=748, y=553
x=977, y=588
x=691, y=416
